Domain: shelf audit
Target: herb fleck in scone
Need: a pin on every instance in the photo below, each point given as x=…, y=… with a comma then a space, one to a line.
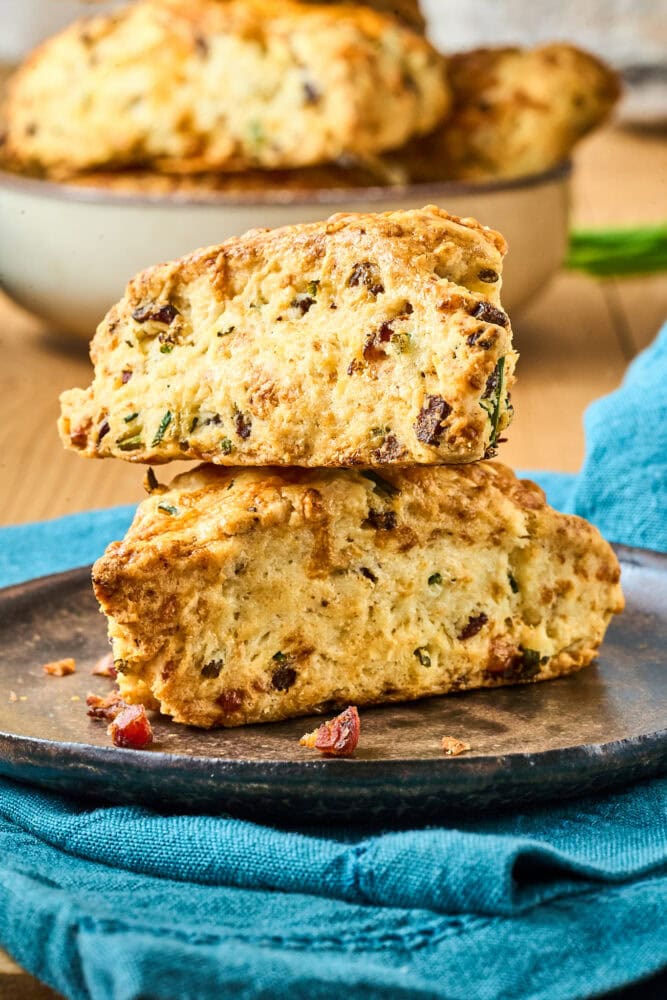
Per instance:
x=187, y=85
x=364, y=340
x=243, y=596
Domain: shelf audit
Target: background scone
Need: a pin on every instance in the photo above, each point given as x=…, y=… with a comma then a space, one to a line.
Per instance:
x=254, y=595
x=223, y=85
x=364, y=340
x=514, y=112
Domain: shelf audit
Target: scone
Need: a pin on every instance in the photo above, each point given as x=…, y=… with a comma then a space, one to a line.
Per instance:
x=252, y=595
x=408, y=10
x=222, y=85
x=515, y=112
x=364, y=340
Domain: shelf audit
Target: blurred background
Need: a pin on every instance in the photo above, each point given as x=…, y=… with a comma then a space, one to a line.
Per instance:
x=630, y=34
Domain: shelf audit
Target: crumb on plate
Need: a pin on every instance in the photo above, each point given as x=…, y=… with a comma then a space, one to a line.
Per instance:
x=131, y=728
x=451, y=747
x=337, y=738
x=105, y=707
x=60, y=668
x=104, y=667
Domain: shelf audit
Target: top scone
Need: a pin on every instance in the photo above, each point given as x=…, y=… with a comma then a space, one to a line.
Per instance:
x=188, y=85
x=363, y=340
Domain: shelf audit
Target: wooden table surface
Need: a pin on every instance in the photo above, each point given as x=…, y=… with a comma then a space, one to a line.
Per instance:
x=575, y=342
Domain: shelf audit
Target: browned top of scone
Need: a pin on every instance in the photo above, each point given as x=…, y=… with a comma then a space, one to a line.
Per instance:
x=197, y=85
x=360, y=340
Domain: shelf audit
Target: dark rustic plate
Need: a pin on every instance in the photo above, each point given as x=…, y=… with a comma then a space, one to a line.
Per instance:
x=597, y=729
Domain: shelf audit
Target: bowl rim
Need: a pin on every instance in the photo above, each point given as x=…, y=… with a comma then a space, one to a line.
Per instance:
x=431, y=190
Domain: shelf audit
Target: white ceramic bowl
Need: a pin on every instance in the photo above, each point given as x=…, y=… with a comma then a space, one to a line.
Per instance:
x=67, y=252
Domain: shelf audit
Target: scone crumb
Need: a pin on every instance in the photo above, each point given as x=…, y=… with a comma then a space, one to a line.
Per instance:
x=104, y=667
x=338, y=737
x=13, y=696
x=131, y=728
x=451, y=747
x=105, y=707
x=60, y=668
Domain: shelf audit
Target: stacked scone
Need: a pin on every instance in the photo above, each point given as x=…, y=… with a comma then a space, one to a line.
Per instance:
x=346, y=540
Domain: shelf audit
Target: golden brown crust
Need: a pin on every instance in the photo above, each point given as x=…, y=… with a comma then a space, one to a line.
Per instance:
x=514, y=112
x=363, y=340
x=196, y=85
x=253, y=595
x=407, y=10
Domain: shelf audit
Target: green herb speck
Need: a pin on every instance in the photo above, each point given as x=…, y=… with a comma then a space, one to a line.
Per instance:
x=130, y=443
x=492, y=402
x=381, y=486
x=422, y=655
x=193, y=424
x=151, y=480
x=164, y=423
x=280, y=658
x=514, y=586
x=401, y=342
x=256, y=133
x=435, y=579
x=530, y=662
x=166, y=348
x=313, y=288
x=130, y=417
x=167, y=508
x=226, y=446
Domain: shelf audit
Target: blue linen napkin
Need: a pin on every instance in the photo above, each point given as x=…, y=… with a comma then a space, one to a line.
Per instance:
x=556, y=902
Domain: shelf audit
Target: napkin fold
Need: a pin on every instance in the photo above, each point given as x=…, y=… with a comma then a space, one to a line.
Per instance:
x=119, y=902
x=556, y=902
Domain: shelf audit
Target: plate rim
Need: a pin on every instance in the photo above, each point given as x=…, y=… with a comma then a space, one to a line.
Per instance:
x=103, y=197
x=154, y=760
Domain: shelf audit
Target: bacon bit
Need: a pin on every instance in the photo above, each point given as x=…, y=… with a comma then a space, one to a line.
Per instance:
x=131, y=728
x=104, y=667
x=78, y=439
x=105, y=708
x=155, y=313
x=475, y=624
x=381, y=520
x=366, y=274
x=13, y=696
x=451, y=747
x=60, y=668
x=389, y=451
x=489, y=314
x=337, y=738
x=502, y=655
x=231, y=700
x=242, y=424
x=373, y=350
x=430, y=423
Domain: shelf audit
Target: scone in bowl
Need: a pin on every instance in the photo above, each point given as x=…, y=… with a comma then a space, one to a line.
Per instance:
x=67, y=251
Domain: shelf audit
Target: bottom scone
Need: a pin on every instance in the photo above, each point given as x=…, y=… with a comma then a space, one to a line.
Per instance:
x=244, y=596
